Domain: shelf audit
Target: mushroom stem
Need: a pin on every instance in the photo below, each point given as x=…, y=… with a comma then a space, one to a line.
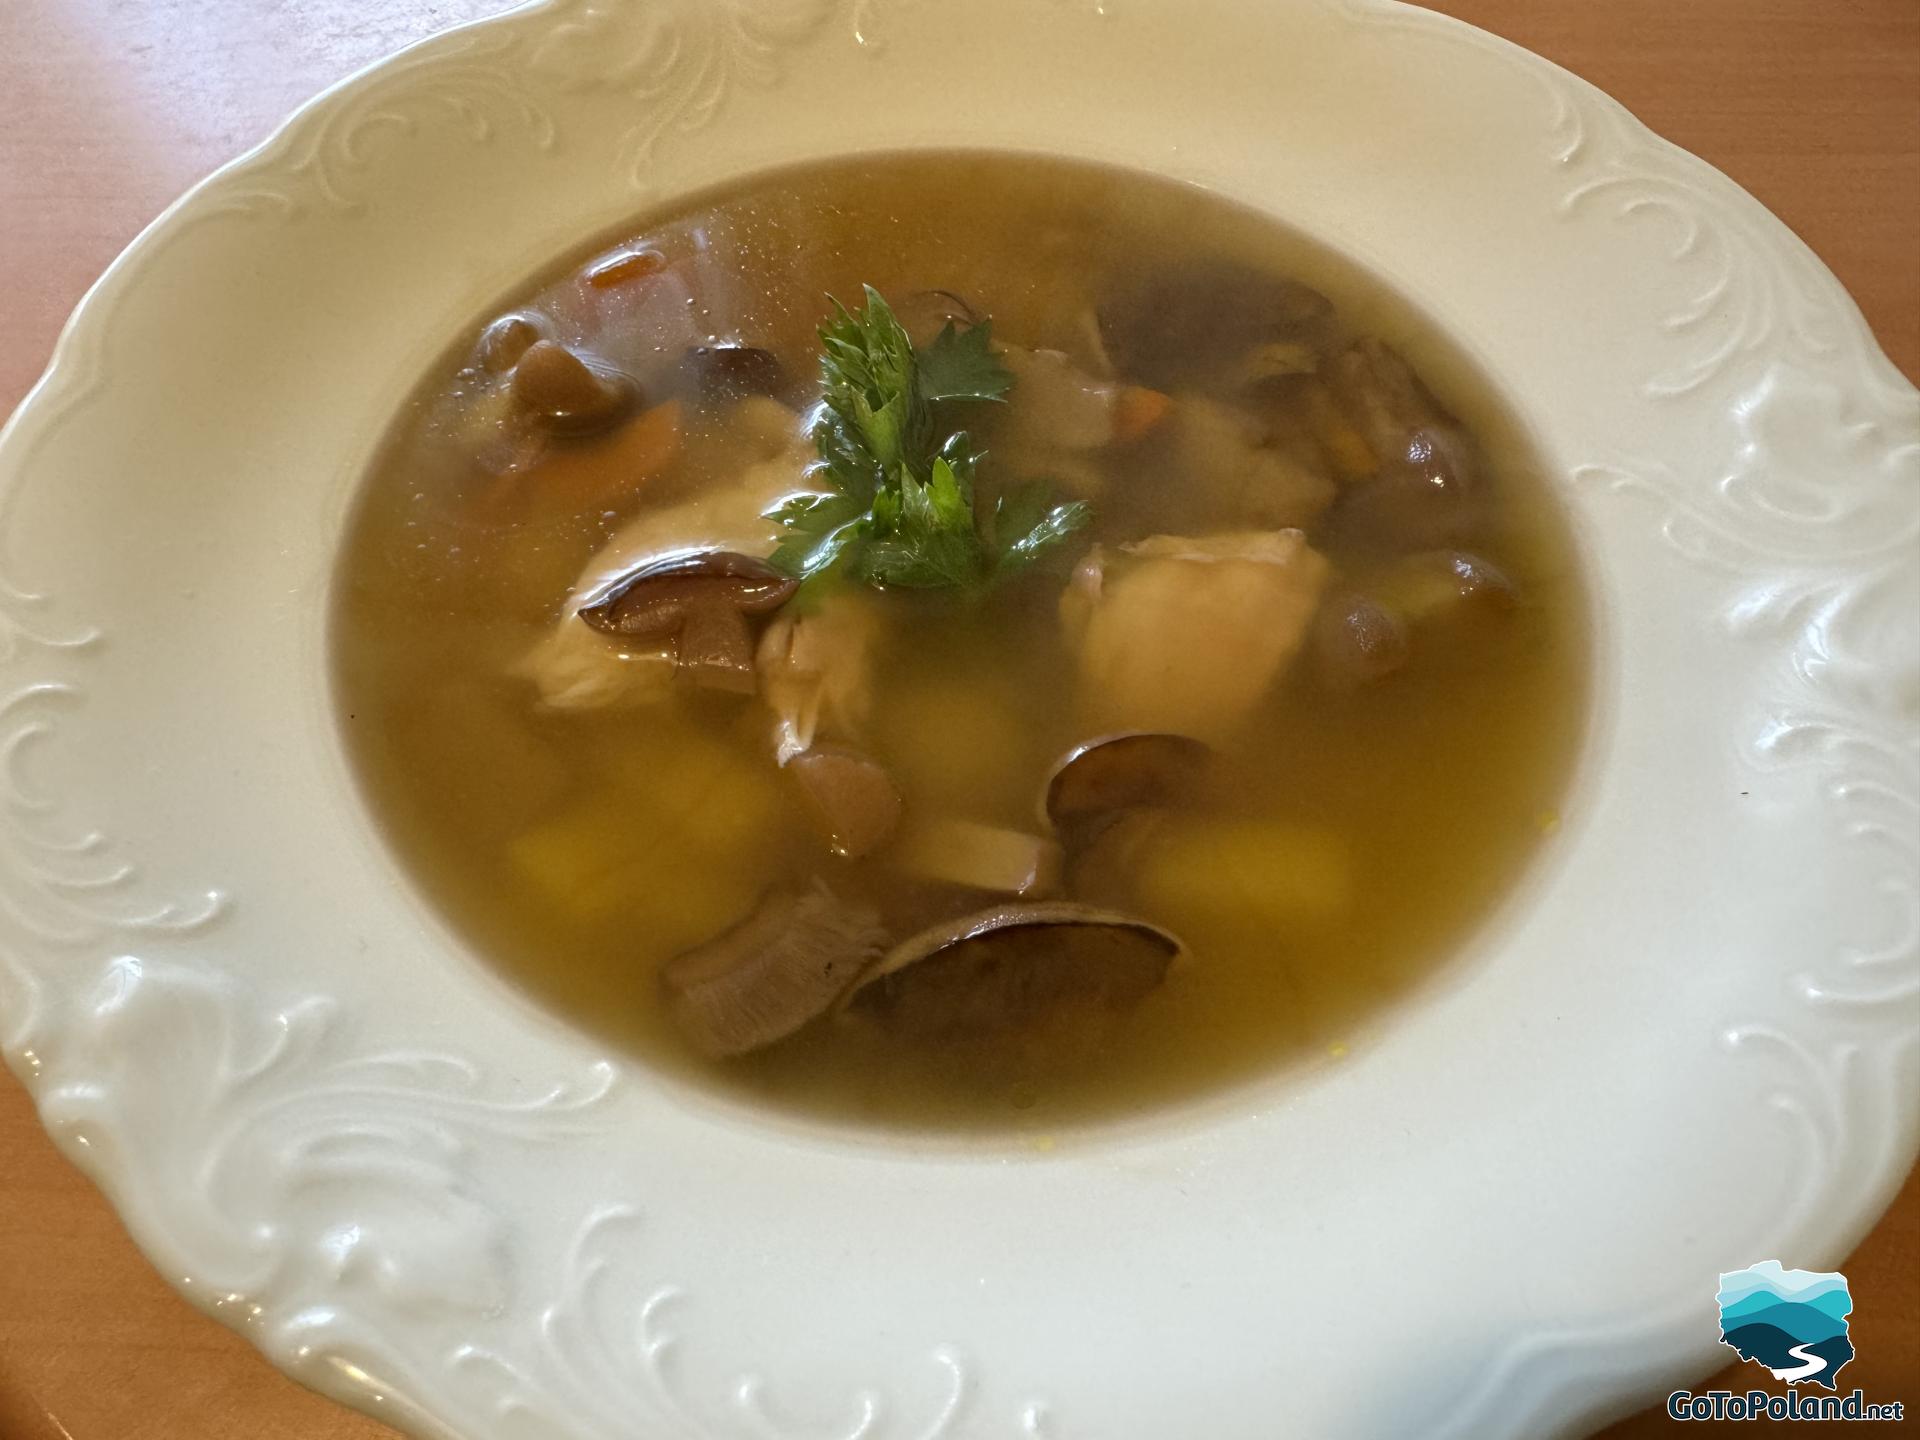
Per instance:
x=701, y=602
x=716, y=647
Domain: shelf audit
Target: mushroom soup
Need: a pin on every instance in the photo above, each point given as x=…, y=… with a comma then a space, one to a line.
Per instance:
x=1105, y=652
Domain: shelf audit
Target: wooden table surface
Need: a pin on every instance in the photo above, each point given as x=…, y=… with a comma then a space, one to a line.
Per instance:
x=109, y=108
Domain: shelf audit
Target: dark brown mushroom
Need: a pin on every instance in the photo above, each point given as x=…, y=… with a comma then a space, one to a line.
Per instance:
x=1427, y=493
x=1119, y=772
x=1357, y=640
x=703, y=602
x=731, y=372
x=1194, y=323
x=1437, y=584
x=566, y=394
x=1015, y=967
x=765, y=978
x=507, y=339
x=850, y=798
x=1364, y=634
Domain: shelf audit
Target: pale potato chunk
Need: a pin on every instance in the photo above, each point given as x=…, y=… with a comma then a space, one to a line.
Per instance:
x=982, y=857
x=1187, y=635
x=598, y=859
x=676, y=844
x=1215, y=875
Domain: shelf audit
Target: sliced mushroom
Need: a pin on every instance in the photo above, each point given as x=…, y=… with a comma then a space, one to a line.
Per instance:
x=564, y=393
x=1195, y=323
x=981, y=857
x=702, y=601
x=850, y=798
x=760, y=981
x=1120, y=772
x=1015, y=967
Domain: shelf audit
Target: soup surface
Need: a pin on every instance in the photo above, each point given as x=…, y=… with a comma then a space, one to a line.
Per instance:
x=771, y=790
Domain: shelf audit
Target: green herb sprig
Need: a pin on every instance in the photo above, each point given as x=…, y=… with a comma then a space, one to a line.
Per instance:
x=895, y=507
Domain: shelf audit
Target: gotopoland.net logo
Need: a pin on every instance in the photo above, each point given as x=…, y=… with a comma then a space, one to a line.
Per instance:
x=1792, y=1323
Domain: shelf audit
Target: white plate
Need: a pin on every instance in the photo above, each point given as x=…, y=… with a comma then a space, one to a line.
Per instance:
x=1691, y=1044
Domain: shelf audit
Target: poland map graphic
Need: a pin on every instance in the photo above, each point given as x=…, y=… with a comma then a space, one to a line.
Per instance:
x=1794, y=1322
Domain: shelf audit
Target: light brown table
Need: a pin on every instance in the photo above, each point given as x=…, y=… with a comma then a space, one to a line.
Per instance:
x=109, y=108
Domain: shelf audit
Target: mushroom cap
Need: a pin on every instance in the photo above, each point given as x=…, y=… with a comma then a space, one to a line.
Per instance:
x=702, y=602
x=1358, y=640
x=565, y=393
x=1178, y=325
x=1118, y=772
x=653, y=602
x=732, y=372
x=1013, y=967
x=507, y=339
x=767, y=976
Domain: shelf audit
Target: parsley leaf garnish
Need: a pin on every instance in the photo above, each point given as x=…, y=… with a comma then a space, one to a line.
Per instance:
x=961, y=365
x=1026, y=524
x=896, y=501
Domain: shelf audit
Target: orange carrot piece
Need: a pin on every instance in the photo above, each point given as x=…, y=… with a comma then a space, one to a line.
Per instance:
x=1136, y=410
x=622, y=266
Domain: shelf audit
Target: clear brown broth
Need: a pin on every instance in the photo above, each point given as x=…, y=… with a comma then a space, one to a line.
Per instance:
x=1436, y=785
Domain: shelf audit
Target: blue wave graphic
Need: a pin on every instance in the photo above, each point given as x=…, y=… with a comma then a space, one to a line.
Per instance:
x=1794, y=1322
